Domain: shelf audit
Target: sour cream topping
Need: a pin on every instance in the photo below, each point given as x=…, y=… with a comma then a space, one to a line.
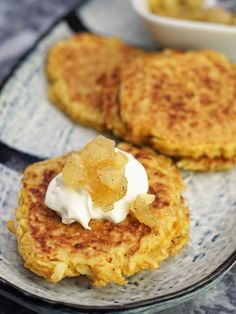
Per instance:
x=76, y=204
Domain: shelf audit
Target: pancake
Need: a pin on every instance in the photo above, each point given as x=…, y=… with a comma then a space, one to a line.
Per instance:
x=184, y=106
x=111, y=109
x=111, y=98
x=206, y=164
x=77, y=70
x=108, y=252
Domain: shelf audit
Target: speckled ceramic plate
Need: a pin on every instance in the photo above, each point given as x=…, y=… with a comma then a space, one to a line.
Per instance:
x=211, y=197
x=209, y=254
x=23, y=98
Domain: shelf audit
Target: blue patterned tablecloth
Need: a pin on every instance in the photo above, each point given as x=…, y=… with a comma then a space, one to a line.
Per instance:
x=21, y=22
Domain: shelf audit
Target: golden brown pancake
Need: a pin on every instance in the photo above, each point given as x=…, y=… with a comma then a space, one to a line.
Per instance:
x=206, y=163
x=111, y=98
x=77, y=70
x=184, y=106
x=108, y=252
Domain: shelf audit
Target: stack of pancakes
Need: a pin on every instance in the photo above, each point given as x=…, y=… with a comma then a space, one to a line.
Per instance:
x=182, y=104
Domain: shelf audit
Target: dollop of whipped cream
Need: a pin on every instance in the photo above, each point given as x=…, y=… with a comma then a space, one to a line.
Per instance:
x=76, y=204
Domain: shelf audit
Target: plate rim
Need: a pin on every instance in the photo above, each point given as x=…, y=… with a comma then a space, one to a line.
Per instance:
x=73, y=20
x=221, y=270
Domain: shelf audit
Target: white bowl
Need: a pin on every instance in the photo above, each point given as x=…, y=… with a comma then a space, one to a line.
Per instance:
x=184, y=34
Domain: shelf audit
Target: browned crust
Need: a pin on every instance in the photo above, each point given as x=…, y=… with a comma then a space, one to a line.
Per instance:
x=182, y=105
x=206, y=163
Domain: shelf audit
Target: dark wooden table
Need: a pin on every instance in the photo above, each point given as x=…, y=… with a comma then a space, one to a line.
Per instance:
x=9, y=307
